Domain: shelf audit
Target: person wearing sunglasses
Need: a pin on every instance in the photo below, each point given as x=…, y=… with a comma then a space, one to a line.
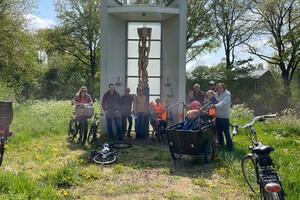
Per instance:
x=140, y=110
x=82, y=97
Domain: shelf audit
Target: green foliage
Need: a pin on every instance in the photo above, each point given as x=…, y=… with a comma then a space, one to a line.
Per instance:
x=66, y=176
x=20, y=186
x=39, y=118
x=241, y=111
x=46, y=164
x=78, y=35
x=6, y=93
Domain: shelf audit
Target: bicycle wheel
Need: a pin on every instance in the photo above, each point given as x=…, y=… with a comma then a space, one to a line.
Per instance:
x=72, y=129
x=209, y=151
x=1, y=153
x=121, y=145
x=100, y=159
x=159, y=134
x=230, y=130
x=249, y=172
x=84, y=132
x=91, y=134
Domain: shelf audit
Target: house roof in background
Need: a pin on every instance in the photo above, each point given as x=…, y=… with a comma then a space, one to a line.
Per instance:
x=258, y=73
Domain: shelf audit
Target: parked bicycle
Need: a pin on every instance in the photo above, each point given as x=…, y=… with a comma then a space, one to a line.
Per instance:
x=6, y=116
x=258, y=166
x=108, y=154
x=92, y=135
x=79, y=123
x=159, y=129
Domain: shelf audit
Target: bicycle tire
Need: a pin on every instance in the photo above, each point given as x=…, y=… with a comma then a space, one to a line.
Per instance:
x=84, y=132
x=120, y=145
x=90, y=137
x=209, y=151
x=99, y=159
x=1, y=154
x=1, y=158
x=231, y=130
x=159, y=134
x=249, y=172
x=72, y=130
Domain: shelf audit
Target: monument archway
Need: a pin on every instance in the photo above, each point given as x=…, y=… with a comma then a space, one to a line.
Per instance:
x=144, y=44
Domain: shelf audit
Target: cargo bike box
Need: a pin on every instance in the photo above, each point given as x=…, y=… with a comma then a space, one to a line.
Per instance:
x=191, y=142
x=194, y=142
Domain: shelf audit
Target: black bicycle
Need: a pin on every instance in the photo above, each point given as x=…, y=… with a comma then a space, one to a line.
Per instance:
x=159, y=129
x=108, y=154
x=6, y=116
x=92, y=135
x=258, y=166
x=78, y=123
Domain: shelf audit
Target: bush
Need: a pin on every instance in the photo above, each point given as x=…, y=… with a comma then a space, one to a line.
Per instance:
x=241, y=111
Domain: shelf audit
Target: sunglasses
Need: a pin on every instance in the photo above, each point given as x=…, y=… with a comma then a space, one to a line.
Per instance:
x=83, y=90
x=141, y=90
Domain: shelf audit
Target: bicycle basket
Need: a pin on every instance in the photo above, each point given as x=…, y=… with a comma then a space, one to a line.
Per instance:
x=84, y=112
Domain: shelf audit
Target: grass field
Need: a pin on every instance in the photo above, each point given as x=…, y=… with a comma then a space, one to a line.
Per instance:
x=41, y=163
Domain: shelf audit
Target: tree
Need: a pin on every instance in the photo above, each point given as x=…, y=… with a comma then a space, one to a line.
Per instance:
x=78, y=34
x=230, y=19
x=18, y=58
x=279, y=22
x=201, y=33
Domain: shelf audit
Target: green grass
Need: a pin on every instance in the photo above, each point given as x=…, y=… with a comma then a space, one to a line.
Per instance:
x=40, y=163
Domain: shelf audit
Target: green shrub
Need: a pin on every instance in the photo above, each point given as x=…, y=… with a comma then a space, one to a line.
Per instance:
x=19, y=186
x=240, y=113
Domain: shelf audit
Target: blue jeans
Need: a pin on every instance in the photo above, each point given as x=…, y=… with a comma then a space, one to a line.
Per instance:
x=117, y=118
x=139, y=124
x=222, y=125
x=123, y=119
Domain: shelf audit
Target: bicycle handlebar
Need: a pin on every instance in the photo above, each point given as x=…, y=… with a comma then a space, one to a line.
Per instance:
x=257, y=118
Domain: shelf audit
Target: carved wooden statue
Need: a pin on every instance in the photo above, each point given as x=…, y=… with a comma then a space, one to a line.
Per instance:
x=144, y=49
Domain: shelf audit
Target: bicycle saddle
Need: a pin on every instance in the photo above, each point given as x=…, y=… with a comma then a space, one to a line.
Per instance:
x=261, y=148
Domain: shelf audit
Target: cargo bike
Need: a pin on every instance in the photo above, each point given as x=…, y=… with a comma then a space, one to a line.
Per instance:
x=6, y=117
x=194, y=142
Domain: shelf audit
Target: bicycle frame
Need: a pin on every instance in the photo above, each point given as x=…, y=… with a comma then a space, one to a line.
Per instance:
x=266, y=177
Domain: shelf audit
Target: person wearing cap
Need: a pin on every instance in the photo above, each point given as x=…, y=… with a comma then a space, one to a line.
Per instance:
x=111, y=103
x=126, y=106
x=198, y=94
x=212, y=86
x=222, y=115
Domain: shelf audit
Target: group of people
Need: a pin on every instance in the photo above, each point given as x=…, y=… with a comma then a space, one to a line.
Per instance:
x=221, y=99
x=121, y=109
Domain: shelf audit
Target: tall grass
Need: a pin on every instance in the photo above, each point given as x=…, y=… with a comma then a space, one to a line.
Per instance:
x=40, y=163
